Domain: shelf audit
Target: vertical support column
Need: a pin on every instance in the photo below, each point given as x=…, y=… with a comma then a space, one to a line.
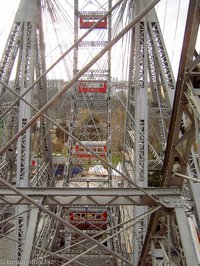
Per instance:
x=141, y=105
x=27, y=58
x=29, y=240
x=141, y=126
x=23, y=144
x=109, y=94
x=42, y=92
x=73, y=102
x=186, y=237
x=26, y=46
x=129, y=136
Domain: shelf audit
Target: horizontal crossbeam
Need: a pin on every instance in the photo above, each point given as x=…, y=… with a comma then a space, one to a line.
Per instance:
x=92, y=196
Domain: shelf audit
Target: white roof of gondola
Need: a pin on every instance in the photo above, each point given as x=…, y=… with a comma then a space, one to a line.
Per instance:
x=99, y=169
x=119, y=168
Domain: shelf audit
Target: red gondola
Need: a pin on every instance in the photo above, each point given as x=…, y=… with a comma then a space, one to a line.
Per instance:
x=88, y=219
x=98, y=147
x=85, y=86
x=87, y=21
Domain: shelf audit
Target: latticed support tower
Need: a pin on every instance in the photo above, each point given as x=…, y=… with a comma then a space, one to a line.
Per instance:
x=151, y=86
x=25, y=48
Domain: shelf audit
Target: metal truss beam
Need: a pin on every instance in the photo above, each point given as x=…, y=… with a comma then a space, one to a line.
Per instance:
x=93, y=196
x=181, y=133
x=9, y=54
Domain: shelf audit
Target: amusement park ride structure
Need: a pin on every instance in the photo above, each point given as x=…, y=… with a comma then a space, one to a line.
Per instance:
x=88, y=211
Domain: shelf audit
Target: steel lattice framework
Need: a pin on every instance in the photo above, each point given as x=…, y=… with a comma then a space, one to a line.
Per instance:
x=85, y=218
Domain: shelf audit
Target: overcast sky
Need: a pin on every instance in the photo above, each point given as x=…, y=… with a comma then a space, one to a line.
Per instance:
x=167, y=11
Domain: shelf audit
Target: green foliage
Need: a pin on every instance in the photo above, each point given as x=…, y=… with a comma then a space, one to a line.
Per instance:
x=116, y=158
x=155, y=179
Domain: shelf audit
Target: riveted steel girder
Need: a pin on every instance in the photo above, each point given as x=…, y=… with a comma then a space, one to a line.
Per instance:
x=93, y=196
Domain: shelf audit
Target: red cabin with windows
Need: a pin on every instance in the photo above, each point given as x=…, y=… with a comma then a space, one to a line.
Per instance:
x=86, y=86
x=87, y=21
x=88, y=219
x=98, y=147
